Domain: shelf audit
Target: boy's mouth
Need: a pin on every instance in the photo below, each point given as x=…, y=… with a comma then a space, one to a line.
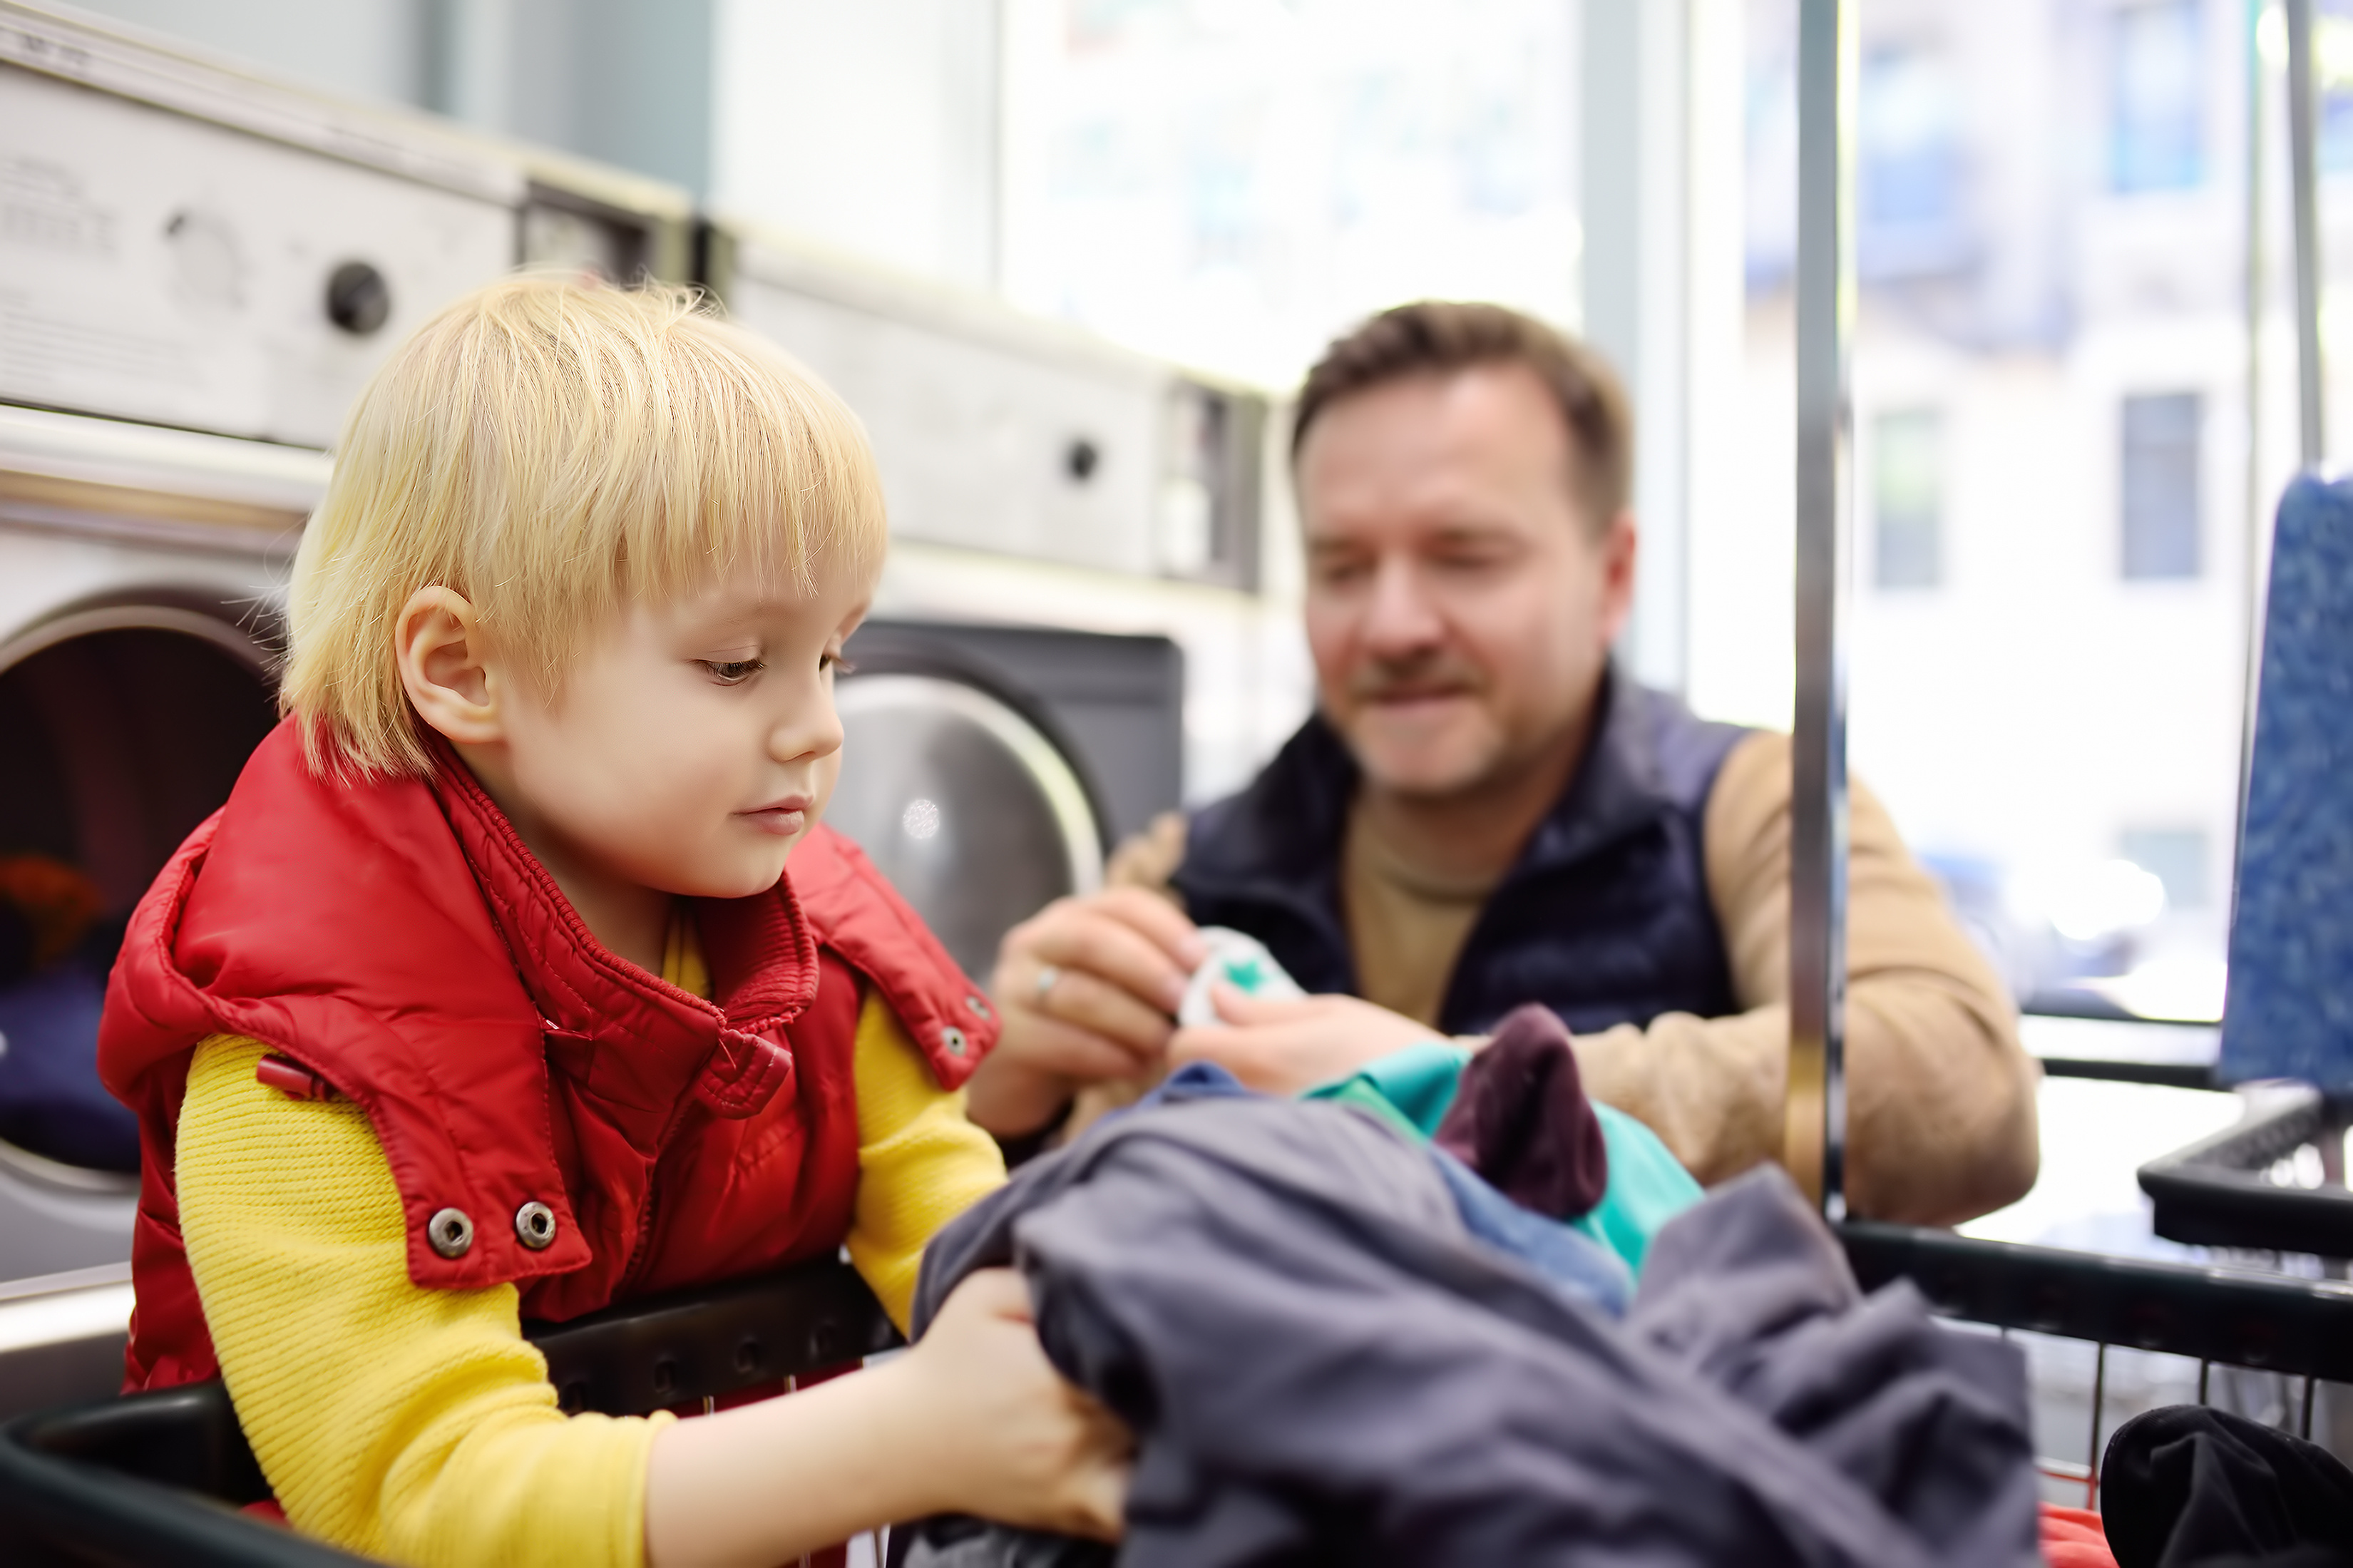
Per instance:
x=781, y=817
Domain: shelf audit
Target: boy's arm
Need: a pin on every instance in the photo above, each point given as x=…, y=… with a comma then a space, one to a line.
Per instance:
x=920, y=1162
x=393, y=1420
x=419, y=1425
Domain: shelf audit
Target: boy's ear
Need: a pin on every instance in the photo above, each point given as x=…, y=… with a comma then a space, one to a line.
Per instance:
x=445, y=667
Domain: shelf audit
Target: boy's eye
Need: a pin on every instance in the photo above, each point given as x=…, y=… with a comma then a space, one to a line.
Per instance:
x=836, y=664
x=733, y=671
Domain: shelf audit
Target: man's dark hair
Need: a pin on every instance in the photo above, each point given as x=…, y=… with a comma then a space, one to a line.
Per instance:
x=1442, y=335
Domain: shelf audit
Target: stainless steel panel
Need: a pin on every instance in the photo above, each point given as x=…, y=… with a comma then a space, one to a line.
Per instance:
x=980, y=445
x=62, y=1337
x=161, y=267
x=998, y=432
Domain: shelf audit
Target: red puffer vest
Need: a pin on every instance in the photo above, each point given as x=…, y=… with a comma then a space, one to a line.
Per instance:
x=395, y=938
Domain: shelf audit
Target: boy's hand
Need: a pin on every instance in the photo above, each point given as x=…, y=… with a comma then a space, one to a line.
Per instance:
x=1007, y=1438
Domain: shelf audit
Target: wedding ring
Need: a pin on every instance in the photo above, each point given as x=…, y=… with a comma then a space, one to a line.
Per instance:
x=1047, y=974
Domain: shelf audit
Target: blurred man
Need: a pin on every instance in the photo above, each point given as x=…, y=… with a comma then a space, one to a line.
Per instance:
x=1484, y=812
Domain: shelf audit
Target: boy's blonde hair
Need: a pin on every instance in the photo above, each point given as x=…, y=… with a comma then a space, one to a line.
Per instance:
x=553, y=450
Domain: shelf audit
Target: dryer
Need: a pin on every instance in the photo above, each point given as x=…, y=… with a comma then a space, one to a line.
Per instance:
x=988, y=770
x=140, y=573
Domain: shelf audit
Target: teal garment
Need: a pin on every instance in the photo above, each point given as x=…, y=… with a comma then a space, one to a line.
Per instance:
x=1412, y=1088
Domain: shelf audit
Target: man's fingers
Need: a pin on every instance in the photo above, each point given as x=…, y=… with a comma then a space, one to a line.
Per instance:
x=1081, y=1055
x=1081, y=1001
x=1236, y=1006
x=1088, y=937
x=1161, y=921
x=1248, y=1053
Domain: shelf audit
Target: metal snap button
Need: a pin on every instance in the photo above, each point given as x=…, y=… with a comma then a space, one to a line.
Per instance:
x=951, y=1040
x=451, y=1232
x=535, y=1225
x=979, y=1008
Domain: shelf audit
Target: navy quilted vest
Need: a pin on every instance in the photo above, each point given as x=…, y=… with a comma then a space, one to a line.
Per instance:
x=1604, y=917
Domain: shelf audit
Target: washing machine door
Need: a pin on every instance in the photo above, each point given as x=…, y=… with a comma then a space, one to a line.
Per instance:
x=122, y=726
x=965, y=803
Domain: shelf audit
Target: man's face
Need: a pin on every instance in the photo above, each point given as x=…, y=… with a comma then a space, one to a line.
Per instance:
x=1460, y=604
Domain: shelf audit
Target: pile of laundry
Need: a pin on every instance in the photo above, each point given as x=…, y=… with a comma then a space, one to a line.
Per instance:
x=1342, y=1334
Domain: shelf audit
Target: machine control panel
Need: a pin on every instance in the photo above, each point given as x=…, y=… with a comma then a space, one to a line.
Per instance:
x=1001, y=432
x=161, y=268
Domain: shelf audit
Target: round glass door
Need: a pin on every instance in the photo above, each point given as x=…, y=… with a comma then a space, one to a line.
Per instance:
x=122, y=728
x=973, y=814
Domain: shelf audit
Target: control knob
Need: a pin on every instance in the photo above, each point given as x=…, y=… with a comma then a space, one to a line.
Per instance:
x=358, y=298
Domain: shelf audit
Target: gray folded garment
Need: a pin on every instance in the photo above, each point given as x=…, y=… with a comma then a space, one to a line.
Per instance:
x=1320, y=1366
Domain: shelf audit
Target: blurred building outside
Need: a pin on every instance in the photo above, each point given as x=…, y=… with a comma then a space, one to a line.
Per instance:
x=2058, y=451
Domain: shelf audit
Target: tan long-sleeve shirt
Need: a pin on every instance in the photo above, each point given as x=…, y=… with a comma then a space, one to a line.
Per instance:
x=1941, y=1122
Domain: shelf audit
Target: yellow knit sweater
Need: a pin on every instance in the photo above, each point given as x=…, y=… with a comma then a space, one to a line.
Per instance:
x=419, y=1425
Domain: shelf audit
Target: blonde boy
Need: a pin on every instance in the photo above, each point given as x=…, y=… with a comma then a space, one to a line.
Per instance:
x=487, y=995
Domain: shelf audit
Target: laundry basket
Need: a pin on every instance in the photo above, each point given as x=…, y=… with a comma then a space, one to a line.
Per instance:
x=161, y=1479
x=2225, y=1318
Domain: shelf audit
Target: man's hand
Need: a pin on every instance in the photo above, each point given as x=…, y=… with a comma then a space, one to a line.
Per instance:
x=1087, y=990
x=1284, y=1047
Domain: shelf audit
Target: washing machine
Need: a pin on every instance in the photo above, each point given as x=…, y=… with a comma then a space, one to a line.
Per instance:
x=988, y=770
x=1088, y=617
x=140, y=585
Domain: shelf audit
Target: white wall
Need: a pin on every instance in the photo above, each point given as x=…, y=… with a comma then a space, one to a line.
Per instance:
x=367, y=49
x=627, y=82
x=870, y=127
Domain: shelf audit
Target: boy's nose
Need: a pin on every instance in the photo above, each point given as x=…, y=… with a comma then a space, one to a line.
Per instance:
x=810, y=728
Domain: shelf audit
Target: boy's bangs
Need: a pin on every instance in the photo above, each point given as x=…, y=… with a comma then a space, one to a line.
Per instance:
x=725, y=464
x=554, y=450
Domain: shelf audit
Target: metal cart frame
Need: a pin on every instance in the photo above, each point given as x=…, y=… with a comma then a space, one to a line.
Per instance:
x=2208, y=1193
x=154, y=1479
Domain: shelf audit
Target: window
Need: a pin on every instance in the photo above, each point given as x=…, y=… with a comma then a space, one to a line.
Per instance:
x=1233, y=185
x=2160, y=488
x=2157, y=107
x=2175, y=856
x=1910, y=141
x=1907, y=498
x=2332, y=27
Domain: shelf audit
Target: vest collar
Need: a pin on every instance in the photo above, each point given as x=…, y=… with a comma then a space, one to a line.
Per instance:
x=632, y=1037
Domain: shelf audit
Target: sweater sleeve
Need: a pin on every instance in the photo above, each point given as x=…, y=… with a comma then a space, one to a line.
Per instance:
x=1941, y=1115
x=920, y=1163
x=403, y=1422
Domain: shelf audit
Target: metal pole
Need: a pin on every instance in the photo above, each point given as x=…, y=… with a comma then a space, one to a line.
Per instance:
x=1816, y=1110
x=2251, y=630
x=2302, y=173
